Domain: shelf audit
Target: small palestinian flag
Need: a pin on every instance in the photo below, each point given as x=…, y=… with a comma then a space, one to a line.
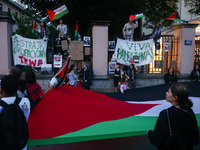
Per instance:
x=133, y=17
x=174, y=17
x=57, y=12
x=62, y=73
x=76, y=34
x=33, y=31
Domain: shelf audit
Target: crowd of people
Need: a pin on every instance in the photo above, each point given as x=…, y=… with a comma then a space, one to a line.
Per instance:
x=176, y=127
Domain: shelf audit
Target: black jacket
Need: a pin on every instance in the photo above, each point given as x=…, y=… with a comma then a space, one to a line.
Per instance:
x=194, y=76
x=171, y=78
x=184, y=129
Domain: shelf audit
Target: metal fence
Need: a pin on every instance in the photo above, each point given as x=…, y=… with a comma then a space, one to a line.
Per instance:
x=197, y=51
x=164, y=58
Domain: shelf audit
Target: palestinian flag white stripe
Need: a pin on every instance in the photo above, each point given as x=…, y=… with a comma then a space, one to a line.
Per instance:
x=60, y=9
x=163, y=104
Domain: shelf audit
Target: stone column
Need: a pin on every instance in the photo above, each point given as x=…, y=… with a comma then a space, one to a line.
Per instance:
x=186, y=38
x=100, y=47
x=6, y=30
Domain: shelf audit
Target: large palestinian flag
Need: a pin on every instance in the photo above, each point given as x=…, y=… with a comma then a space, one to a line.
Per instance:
x=69, y=114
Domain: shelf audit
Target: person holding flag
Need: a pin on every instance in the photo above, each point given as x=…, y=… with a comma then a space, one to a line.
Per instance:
x=62, y=29
x=128, y=29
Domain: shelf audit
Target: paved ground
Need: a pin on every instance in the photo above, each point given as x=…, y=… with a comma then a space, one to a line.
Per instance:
x=129, y=143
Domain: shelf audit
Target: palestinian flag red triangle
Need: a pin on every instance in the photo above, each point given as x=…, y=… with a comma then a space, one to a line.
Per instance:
x=51, y=14
x=174, y=17
x=69, y=114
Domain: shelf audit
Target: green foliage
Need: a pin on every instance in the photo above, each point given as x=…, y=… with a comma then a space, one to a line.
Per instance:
x=25, y=26
x=117, y=11
x=195, y=6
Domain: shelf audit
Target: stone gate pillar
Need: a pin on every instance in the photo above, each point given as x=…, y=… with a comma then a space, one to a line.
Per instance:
x=6, y=30
x=186, y=35
x=100, y=47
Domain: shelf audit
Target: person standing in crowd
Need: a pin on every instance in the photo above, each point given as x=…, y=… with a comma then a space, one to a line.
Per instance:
x=179, y=119
x=34, y=89
x=170, y=77
x=87, y=76
x=195, y=74
x=21, y=92
x=124, y=84
x=73, y=78
x=117, y=76
x=131, y=72
x=128, y=30
x=9, y=87
x=62, y=29
x=42, y=31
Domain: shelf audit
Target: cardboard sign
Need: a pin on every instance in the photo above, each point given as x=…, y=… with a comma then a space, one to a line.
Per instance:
x=76, y=50
x=64, y=44
x=88, y=51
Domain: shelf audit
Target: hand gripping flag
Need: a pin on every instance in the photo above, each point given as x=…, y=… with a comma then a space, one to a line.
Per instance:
x=133, y=17
x=69, y=114
x=57, y=12
x=62, y=72
x=174, y=17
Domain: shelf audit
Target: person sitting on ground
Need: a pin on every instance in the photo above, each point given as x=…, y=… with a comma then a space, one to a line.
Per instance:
x=179, y=121
x=195, y=74
x=9, y=87
x=117, y=76
x=73, y=78
x=170, y=77
x=34, y=89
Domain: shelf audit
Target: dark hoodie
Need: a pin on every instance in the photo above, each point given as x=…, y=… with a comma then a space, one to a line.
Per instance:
x=184, y=129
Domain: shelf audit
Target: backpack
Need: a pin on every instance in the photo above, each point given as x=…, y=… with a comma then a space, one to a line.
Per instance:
x=13, y=127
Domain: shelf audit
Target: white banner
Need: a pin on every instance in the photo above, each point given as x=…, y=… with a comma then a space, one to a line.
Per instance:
x=141, y=50
x=30, y=52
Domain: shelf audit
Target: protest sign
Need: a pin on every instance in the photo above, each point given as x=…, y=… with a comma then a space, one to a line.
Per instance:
x=127, y=49
x=27, y=51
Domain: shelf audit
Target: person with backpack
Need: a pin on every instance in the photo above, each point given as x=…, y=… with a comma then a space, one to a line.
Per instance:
x=14, y=113
x=22, y=91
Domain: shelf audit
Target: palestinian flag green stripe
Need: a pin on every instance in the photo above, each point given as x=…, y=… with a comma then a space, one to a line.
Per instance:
x=59, y=15
x=131, y=126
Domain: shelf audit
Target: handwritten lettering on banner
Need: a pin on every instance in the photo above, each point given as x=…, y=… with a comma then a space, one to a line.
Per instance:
x=30, y=52
x=125, y=50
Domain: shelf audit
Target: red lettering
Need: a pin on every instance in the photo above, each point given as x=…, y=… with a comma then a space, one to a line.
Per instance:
x=32, y=63
x=25, y=60
x=39, y=63
x=21, y=57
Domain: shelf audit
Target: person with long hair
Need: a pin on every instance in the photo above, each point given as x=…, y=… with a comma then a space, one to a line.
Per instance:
x=131, y=72
x=195, y=74
x=34, y=89
x=117, y=76
x=42, y=31
x=176, y=127
x=73, y=78
x=170, y=77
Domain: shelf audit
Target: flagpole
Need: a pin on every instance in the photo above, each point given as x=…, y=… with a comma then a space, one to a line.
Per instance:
x=52, y=47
